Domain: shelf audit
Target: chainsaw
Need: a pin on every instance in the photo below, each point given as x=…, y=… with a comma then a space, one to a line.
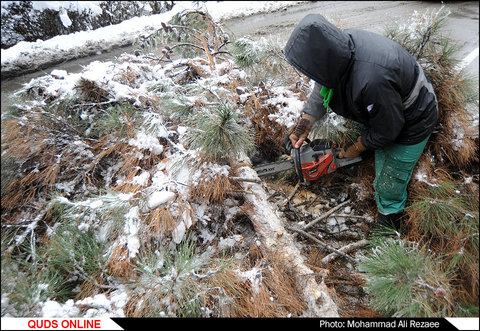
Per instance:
x=311, y=161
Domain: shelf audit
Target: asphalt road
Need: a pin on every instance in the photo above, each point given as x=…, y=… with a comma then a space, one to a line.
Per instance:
x=375, y=16
x=462, y=26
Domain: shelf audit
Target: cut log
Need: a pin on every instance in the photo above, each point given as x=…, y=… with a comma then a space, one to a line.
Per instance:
x=268, y=223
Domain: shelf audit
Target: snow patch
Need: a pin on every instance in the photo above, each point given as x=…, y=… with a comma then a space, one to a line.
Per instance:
x=131, y=229
x=52, y=309
x=148, y=142
x=64, y=18
x=159, y=198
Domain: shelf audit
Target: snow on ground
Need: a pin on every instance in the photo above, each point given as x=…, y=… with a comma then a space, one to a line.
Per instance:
x=83, y=43
x=162, y=185
x=165, y=185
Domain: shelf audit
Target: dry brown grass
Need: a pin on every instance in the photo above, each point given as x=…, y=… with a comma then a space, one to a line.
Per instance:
x=268, y=134
x=452, y=91
x=45, y=156
x=132, y=165
x=276, y=295
x=346, y=287
x=129, y=77
x=160, y=221
x=120, y=264
x=137, y=306
x=213, y=190
x=126, y=185
x=91, y=91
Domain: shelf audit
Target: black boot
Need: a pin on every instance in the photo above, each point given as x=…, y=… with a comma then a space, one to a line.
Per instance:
x=388, y=222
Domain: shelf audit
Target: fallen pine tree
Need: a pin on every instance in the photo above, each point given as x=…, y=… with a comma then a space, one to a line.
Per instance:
x=129, y=189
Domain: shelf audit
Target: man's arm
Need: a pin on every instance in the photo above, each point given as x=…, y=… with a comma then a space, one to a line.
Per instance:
x=313, y=111
x=314, y=106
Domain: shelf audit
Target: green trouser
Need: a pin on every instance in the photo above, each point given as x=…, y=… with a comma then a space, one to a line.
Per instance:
x=393, y=170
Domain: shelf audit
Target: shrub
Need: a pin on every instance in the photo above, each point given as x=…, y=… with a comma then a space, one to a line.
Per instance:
x=405, y=280
x=22, y=21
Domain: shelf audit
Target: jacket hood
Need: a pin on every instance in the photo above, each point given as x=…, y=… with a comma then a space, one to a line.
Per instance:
x=320, y=50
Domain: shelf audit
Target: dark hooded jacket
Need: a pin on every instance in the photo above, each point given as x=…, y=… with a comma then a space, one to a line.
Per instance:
x=375, y=81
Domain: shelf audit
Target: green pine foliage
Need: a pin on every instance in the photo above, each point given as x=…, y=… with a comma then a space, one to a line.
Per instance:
x=72, y=251
x=248, y=52
x=263, y=59
x=26, y=278
x=72, y=254
x=422, y=34
x=104, y=211
x=333, y=127
x=113, y=120
x=404, y=280
x=179, y=282
x=178, y=108
x=218, y=133
x=26, y=285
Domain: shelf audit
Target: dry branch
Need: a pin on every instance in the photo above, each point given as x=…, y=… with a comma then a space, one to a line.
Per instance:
x=349, y=248
x=331, y=211
x=321, y=243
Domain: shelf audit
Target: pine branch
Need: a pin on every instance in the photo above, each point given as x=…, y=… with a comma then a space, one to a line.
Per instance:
x=331, y=211
x=318, y=241
x=348, y=248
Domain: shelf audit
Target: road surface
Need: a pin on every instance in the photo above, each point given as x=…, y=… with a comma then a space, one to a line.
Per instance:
x=374, y=16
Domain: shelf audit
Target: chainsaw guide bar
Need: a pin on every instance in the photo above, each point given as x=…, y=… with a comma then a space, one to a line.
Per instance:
x=311, y=161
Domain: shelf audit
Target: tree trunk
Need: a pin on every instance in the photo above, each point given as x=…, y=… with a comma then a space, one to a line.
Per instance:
x=276, y=240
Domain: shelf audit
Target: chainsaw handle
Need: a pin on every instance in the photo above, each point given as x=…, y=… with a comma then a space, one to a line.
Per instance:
x=298, y=163
x=287, y=144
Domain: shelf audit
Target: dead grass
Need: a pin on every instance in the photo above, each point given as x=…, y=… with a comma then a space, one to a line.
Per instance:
x=130, y=77
x=119, y=263
x=161, y=222
x=269, y=134
x=275, y=296
x=126, y=185
x=344, y=284
x=108, y=151
x=454, y=145
x=213, y=190
x=91, y=91
x=141, y=306
x=46, y=157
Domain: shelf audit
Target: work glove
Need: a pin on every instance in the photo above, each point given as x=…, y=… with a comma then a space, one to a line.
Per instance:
x=301, y=130
x=287, y=144
x=354, y=150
